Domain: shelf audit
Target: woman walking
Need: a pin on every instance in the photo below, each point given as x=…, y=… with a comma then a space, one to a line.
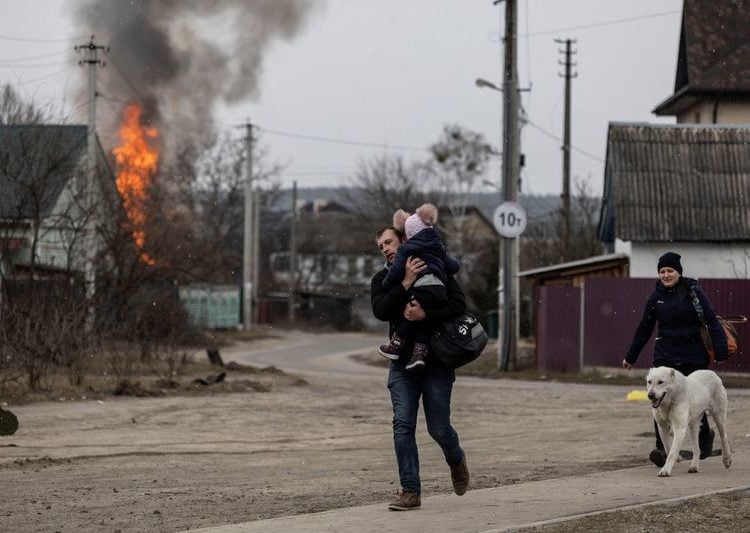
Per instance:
x=676, y=305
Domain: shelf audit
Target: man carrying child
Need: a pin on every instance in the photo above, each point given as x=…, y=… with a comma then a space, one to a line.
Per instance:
x=433, y=383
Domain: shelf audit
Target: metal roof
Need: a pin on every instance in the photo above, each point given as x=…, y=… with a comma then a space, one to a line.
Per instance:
x=585, y=263
x=36, y=161
x=686, y=183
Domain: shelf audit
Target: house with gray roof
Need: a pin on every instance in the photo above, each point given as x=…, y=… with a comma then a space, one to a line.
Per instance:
x=683, y=187
x=43, y=199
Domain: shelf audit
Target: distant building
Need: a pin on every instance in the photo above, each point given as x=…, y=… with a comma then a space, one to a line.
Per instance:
x=337, y=255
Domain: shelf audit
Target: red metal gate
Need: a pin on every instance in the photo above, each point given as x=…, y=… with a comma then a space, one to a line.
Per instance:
x=612, y=308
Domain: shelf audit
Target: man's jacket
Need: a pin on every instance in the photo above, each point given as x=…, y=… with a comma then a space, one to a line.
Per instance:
x=388, y=304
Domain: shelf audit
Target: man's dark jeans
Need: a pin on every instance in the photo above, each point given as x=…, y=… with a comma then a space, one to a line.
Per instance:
x=434, y=384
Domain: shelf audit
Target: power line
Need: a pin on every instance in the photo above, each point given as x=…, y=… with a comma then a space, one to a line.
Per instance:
x=106, y=86
x=341, y=141
x=31, y=58
x=603, y=23
x=127, y=81
x=77, y=104
x=276, y=132
x=38, y=65
x=27, y=40
x=43, y=78
x=80, y=106
x=559, y=139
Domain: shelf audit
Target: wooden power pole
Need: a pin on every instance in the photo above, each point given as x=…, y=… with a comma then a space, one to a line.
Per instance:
x=568, y=75
x=248, y=234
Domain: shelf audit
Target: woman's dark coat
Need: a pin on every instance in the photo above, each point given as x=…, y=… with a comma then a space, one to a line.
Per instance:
x=678, y=340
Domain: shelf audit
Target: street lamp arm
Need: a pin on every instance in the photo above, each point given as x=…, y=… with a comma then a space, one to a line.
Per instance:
x=481, y=82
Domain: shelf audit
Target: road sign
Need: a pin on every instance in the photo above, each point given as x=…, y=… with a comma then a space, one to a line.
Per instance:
x=510, y=219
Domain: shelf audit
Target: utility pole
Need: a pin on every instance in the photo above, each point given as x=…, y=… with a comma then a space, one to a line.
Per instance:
x=510, y=177
x=568, y=75
x=293, y=253
x=257, y=194
x=90, y=61
x=247, y=248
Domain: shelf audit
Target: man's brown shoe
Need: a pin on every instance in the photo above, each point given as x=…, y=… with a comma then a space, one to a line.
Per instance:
x=460, y=477
x=406, y=501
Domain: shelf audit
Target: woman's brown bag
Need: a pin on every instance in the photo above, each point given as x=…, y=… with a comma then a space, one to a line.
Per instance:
x=733, y=338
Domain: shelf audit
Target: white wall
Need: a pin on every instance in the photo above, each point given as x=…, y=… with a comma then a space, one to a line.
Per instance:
x=699, y=260
x=727, y=112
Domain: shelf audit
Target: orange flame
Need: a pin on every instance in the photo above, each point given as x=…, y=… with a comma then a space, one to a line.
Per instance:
x=137, y=160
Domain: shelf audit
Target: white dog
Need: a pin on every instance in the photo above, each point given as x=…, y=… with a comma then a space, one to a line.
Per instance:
x=678, y=403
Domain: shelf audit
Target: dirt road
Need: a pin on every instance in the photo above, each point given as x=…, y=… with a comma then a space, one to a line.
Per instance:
x=170, y=464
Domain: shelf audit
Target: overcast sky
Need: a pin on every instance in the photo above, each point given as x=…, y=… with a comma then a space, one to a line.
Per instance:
x=386, y=75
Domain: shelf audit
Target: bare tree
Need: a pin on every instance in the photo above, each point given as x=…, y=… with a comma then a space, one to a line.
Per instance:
x=42, y=216
x=36, y=165
x=15, y=110
x=192, y=232
x=586, y=241
x=543, y=243
x=461, y=157
x=385, y=183
x=197, y=203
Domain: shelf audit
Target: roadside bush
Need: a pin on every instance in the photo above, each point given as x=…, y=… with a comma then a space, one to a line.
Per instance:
x=46, y=332
x=43, y=326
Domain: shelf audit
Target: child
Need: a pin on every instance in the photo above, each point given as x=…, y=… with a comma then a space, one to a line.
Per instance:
x=422, y=241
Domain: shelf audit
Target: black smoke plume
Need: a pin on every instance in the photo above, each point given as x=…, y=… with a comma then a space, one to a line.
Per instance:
x=178, y=58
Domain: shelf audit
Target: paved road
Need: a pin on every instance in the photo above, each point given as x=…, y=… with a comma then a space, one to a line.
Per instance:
x=310, y=354
x=503, y=508
x=184, y=462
